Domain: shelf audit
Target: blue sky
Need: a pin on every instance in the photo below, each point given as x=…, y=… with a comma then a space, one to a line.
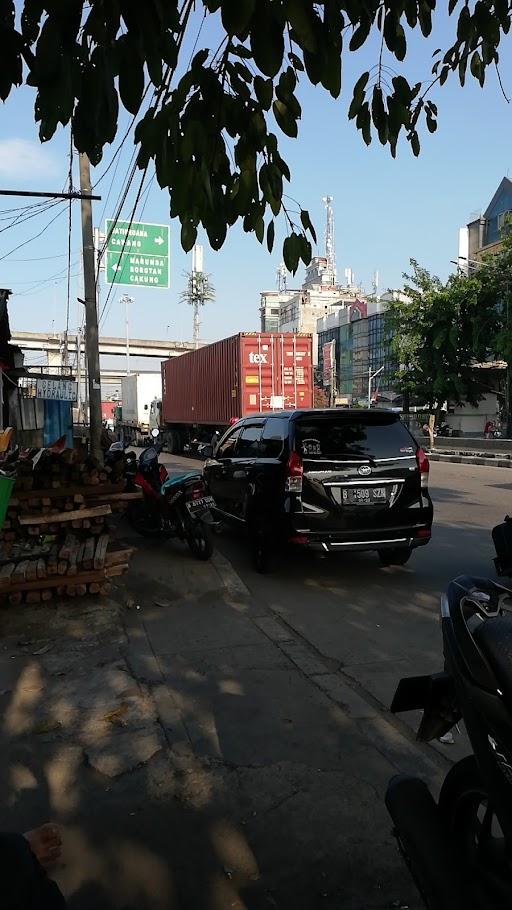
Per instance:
x=386, y=211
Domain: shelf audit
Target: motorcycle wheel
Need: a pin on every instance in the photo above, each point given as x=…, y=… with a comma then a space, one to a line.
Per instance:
x=143, y=521
x=422, y=842
x=199, y=539
x=475, y=832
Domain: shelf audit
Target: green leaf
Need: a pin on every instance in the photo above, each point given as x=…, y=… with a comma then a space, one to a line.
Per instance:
x=292, y=248
x=237, y=15
x=285, y=119
x=267, y=40
x=131, y=74
x=415, y=143
x=476, y=65
x=360, y=34
x=379, y=114
x=259, y=229
x=305, y=23
x=264, y=91
x=271, y=233
x=306, y=223
x=358, y=95
x=188, y=235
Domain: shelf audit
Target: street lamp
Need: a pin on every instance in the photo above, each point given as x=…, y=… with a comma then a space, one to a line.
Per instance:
x=371, y=377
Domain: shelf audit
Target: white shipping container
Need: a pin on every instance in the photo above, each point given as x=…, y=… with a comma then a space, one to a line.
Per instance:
x=138, y=391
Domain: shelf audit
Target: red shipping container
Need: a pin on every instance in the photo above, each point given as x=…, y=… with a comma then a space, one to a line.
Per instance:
x=246, y=374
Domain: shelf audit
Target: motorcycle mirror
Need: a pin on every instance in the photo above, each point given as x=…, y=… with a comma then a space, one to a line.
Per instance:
x=155, y=432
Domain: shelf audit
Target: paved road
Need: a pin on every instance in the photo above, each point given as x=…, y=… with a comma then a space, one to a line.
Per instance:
x=277, y=688
x=379, y=624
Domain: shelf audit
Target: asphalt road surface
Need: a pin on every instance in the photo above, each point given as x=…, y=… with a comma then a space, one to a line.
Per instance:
x=378, y=624
x=285, y=692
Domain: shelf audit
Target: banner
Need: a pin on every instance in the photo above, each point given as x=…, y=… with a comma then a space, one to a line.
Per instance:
x=329, y=359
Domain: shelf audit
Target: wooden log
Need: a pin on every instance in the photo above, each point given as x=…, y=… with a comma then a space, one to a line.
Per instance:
x=71, y=591
x=41, y=568
x=79, y=499
x=67, y=546
x=86, y=524
x=69, y=490
x=88, y=558
x=15, y=598
x=94, y=587
x=72, y=570
x=76, y=524
x=33, y=597
x=105, y=589
x=20, y=571
x=80, y=554
x=119, y=497
x=57, y=581
x=34, y=531
x=46, y=595
x=101, y=551
x=116, y=557
x=75, y=515
x=62, y=567
x=113, y=571
x=31, y=573
x=81, y=590
x=7, y=570
x=51, y=567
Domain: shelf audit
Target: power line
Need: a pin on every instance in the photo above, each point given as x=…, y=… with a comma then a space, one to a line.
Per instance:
x=35, y=236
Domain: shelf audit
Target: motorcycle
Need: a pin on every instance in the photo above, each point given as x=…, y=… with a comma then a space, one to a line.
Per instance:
x=172, y=506
x=120, y=461
x=459, y=850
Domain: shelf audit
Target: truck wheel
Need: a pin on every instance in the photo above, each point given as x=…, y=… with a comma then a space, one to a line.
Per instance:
x=174, y=443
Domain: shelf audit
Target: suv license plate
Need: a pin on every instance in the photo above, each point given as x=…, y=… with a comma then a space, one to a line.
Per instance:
x=200, y=505
x=364, y=496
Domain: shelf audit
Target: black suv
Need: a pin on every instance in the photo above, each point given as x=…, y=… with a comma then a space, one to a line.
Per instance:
x=332, y=480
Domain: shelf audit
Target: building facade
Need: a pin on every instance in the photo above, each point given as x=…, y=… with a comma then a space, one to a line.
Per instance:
x=362, y=343
x=483, y=235
x=299, y=310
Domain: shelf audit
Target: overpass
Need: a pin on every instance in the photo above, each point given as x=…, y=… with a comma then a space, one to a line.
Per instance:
x=52, y=344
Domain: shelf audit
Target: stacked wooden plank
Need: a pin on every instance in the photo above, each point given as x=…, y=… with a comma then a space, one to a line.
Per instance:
x=56, y=538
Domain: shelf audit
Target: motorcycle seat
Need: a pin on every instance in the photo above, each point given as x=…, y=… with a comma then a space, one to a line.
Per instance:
x=494, y=638
x=180, y=478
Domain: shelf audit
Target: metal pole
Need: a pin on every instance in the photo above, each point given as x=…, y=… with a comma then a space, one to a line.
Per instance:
x=91, y=312
x=79, y=373
x=127, y=300
x=369, y=386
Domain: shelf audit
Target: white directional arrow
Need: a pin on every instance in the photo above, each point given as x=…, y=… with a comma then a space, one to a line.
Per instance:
x=159, y=240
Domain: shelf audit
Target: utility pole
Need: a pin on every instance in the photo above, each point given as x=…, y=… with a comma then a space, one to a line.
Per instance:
x=371, y=377
x=91, y=312
x=127, y=300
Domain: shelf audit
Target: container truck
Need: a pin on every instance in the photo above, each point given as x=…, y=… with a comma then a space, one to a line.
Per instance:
x=250, y=373
x=138, y=390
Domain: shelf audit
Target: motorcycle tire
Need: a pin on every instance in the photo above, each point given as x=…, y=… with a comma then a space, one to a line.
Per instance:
x=462, y=802
x=199, y=539
x=423, y=843
x=142, y=522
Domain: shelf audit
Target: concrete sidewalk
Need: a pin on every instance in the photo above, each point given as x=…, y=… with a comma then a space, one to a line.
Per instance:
x=197, y=751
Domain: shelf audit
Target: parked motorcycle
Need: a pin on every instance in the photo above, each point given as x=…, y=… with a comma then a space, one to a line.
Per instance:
x=121, y=461
x=172, y=506
x=460, y=850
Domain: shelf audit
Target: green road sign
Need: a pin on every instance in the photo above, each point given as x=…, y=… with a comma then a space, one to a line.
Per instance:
x=137, y=254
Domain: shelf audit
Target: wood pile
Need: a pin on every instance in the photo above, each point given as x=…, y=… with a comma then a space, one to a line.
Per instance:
x=56, y=538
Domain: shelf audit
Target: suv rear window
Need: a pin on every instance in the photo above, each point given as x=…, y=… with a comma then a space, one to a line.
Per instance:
x=379, y=437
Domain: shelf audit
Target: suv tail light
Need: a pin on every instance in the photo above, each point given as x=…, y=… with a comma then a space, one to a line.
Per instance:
x=424, y=466
x=294, y=472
